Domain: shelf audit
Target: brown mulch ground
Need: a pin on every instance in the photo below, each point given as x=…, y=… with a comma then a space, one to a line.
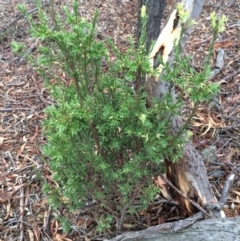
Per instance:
x=24, y=213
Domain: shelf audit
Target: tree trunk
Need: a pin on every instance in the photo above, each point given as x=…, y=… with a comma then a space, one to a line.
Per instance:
x=189, y=173
x=155, y=13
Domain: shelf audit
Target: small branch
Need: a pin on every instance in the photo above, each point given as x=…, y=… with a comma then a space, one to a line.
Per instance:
x=21, y=210
x=216, y=207
x=125, y=208
x=236, y=72
x=114, y=214
x=15, y=109
x=165, y=201
x=28, y=52
x=22, y=16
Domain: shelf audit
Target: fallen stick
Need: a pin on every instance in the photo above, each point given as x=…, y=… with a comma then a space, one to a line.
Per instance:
x=21, y=16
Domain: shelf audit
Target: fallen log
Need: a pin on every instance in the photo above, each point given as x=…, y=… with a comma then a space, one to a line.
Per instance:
x=224, y=229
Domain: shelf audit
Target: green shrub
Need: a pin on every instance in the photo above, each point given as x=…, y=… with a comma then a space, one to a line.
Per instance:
x=103, y=143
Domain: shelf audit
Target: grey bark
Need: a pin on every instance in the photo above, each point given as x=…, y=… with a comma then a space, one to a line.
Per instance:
x=227, y=229
x=154, y=12
x=195, y=7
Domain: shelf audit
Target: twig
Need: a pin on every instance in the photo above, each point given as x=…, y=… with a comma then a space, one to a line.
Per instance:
x=28, y=52
x=216, y=207
x=11, y=158
x=47, y=219
x=234, y=25
x=31, y=160
x=21, y=210
x=229, y=127
x=17, y=170
x=125, y=208
x=179, y=192
x=38, y=89
x=228, y=183
x=165, y=201
x=22, y=16
x=15, y=84
x=14, y=109
x=232, y=75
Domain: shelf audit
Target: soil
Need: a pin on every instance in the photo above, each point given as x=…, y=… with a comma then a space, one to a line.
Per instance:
x=24, y=211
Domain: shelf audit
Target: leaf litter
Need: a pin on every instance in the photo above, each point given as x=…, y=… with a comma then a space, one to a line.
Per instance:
x=24, y=212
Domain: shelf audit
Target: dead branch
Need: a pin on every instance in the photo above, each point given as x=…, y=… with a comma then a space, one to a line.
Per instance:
x=210, y=229
x=160, y=229
x=215, y=208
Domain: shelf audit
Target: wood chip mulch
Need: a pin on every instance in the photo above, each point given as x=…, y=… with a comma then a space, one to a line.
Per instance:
x=24, y=212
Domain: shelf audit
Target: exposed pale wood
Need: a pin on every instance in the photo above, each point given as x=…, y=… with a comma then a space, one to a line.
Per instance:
x=190, y=176
x=189, y=173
